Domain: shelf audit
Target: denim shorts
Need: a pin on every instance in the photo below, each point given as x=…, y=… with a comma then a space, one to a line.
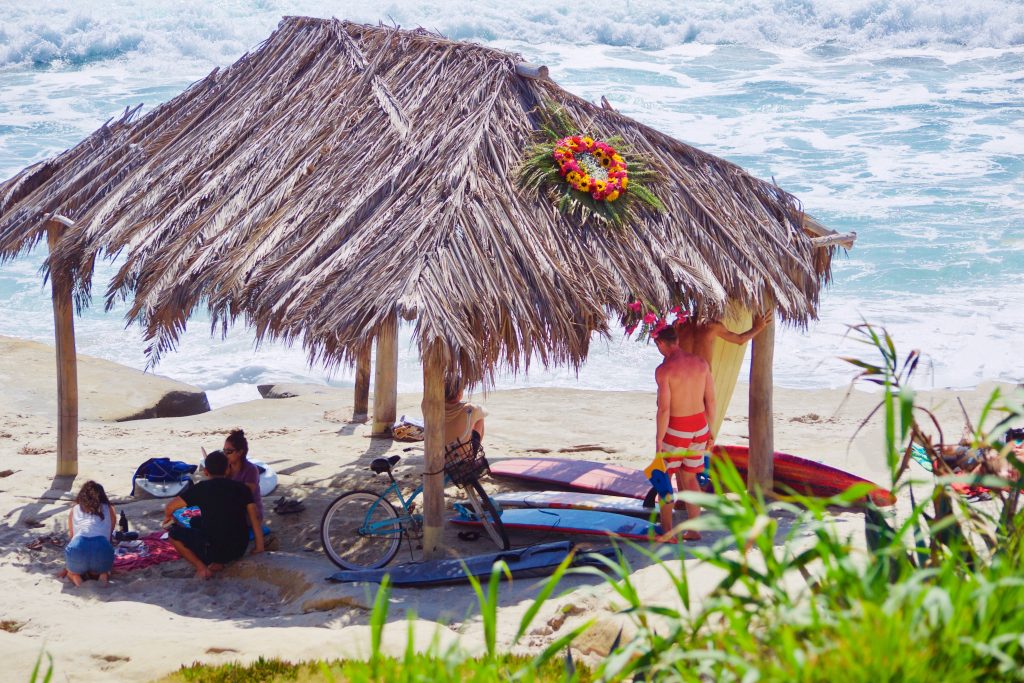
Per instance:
x=89, y=554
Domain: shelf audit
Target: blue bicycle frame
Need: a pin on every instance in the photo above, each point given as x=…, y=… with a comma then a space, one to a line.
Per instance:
x=397, y=525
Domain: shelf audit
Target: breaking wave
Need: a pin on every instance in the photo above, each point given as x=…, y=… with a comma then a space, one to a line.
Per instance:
x=45, y=32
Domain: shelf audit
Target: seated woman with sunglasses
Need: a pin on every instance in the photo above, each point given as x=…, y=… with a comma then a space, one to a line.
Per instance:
x=966, y=460
x=236, y=447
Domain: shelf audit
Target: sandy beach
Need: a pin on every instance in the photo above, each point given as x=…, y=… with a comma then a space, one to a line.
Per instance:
x=147, y=623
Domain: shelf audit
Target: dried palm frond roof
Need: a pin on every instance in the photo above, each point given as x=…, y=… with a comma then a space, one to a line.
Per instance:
x=342, y=173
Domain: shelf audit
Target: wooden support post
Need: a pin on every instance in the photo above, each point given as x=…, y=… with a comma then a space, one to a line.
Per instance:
x=361, y=406
x=434, y=366
x=67, y=363
x=385, y=384
x=760, y=469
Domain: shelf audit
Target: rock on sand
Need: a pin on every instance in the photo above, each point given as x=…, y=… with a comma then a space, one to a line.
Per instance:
x=106, y=391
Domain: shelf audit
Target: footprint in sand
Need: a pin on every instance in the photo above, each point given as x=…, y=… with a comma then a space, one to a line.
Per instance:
x=112, y=658
x=182, y=573
x=584, y=447
x=580, y=448
x=12, y=626
x=110, y=661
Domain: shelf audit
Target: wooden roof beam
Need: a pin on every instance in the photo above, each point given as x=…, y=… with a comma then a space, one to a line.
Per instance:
x=823, y=237
x=537, y=73
x=843, y=239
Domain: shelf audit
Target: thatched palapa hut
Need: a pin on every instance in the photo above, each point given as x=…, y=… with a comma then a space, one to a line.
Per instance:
x=342, y=176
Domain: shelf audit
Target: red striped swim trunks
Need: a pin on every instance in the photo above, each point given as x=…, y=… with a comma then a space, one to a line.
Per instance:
x=685, y=442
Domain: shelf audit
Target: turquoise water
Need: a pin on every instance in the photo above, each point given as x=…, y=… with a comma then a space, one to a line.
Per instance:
x=897, y=120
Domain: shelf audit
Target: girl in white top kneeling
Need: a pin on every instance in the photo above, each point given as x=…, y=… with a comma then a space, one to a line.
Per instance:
x=91, y=524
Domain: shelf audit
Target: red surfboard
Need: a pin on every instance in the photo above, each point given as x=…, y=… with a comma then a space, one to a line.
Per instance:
x=806, y=476
x=792, y=473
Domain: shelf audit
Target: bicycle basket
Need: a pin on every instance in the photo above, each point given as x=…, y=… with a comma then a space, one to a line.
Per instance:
x=465, y=462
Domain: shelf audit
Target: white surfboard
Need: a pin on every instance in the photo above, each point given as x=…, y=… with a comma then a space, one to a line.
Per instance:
x=169, y=489
x=268, y=477
x=162, y=489
x=573, y=500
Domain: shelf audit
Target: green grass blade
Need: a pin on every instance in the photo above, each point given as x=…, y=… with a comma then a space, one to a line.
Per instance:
x=378, y=617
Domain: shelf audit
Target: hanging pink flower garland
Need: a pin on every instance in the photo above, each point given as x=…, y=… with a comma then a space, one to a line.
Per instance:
x=651, y=321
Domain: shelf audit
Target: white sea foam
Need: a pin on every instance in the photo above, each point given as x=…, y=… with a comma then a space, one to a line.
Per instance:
x=50, y=30
x=899, y=120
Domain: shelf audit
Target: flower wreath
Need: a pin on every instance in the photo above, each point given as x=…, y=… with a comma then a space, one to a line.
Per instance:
x=592, y=166
x=589, y=178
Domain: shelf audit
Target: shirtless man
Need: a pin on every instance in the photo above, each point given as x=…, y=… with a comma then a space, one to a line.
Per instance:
x=698, y=338
x=686, y=408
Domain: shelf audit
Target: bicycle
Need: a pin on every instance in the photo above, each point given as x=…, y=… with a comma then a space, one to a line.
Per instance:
x=362, y=529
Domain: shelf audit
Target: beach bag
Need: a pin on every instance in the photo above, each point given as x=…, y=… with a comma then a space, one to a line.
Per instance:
x=163, y=470
x=408, y=429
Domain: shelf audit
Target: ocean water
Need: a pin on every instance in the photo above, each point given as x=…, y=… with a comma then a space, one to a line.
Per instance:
x=903, y=121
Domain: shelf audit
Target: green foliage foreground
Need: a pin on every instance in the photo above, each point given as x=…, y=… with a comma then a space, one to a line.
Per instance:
x=420, y=667
x=935, y=596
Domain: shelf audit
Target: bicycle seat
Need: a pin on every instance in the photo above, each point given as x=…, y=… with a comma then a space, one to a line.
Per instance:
x=381, y=465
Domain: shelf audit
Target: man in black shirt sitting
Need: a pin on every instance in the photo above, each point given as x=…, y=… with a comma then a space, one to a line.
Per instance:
x=220, y=532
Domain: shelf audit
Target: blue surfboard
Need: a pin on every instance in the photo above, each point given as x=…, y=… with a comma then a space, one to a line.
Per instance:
x=534, y=559
x=589, y=522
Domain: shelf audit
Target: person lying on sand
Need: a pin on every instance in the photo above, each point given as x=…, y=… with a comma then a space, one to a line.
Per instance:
x=965, y=459
x=962, y=459
x=697, y=336
x=220, y=533
x=90, y=524
x=686, y=409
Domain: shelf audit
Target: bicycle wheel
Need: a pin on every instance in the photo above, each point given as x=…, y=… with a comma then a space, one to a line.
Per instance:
x=487, y=513
x=360, y=530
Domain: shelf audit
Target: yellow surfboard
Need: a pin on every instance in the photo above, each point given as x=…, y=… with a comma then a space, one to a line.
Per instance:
x=726, y=361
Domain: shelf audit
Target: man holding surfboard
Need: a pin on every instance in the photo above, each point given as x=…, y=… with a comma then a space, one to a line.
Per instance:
x=686, y=409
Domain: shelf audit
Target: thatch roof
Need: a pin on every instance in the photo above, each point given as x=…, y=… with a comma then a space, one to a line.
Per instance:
x=342, y=172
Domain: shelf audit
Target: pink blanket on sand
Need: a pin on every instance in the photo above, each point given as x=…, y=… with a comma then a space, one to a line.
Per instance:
x=145, y=552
